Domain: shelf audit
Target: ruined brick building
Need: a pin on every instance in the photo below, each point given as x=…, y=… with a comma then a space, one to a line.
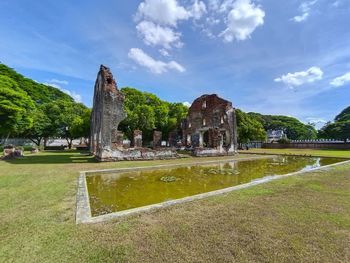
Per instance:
x=106, y=115
x=106, y=142
x=210, y=126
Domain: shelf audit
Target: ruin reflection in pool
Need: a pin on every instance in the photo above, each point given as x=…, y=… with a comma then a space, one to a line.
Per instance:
x=112, y=192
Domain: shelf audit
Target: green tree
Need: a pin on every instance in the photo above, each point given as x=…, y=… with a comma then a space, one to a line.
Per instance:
x=339, y=129
x=38, y=92
x=344, y=115
x=248, y=128
x=16, y=108
x=73, y=121
x=147, y=112
x=294, y=129
x=41, y=126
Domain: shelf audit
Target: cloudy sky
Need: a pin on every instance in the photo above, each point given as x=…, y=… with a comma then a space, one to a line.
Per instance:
x=270, y=56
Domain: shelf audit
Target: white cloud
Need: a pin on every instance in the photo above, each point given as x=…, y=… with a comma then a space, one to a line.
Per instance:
x=226, y=6
x=62, y=82
x=187, y=104
x=341, y=81
x=214, y=5
x=155, y=66
x=242, y=20
x=304, y=8
x=164, y=52
x=301, y=18
x=198, y=9
x=77, y=97
x=164, y=12
x=212, y=20
x=299, y=78
x=154, y=35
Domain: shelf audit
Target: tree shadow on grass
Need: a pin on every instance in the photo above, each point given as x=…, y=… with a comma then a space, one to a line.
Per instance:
x=54, y=157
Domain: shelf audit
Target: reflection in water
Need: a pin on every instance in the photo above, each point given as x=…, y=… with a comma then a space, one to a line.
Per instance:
x=114, y=192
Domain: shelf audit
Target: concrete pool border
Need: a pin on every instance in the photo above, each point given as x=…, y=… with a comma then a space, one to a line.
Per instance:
x=83, y=210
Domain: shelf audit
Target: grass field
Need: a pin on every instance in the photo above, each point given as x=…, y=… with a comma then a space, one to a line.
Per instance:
x=303, y=218
x=320, y=152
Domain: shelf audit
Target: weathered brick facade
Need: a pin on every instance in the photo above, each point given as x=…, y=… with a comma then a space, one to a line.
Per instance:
x=106, y=114
x=106, y=142
x=211, y=124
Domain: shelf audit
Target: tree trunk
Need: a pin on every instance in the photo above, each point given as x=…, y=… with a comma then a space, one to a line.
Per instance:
x=69, y=141
x=37, y=141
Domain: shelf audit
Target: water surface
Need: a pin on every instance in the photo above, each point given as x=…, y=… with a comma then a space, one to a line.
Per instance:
x=114, y=192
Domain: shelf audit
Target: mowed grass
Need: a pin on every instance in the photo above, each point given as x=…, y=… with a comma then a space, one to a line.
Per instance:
x=302, y=218
x=318, y=152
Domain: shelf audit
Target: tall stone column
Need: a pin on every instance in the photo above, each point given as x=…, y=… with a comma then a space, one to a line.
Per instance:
x=235, y=133
x=231, y=118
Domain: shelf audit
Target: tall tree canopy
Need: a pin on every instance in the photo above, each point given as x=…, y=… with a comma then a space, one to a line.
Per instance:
x=295, y=129
x=339, y=129
x=248, y=128
x=36, y=111
x=146, y=112
x=16, y=108
x=344, y=115
x=38, y=92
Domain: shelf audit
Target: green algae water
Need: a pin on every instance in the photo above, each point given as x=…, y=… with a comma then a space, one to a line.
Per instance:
x=113, y=192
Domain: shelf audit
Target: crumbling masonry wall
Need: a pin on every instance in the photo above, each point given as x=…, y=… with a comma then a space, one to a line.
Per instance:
x=106, y=142
x=106, y=114
x=210, y=127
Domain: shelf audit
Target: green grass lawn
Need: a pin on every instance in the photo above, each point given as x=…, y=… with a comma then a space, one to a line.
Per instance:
x=319, y=152
x=302, y=218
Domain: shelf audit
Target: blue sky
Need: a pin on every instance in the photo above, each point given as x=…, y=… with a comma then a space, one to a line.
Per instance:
x=268, y=56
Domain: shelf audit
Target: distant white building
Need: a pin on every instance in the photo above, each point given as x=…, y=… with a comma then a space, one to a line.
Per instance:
x=275, y=135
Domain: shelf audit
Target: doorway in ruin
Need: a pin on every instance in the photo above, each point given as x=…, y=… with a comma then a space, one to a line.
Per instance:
x=206, y=139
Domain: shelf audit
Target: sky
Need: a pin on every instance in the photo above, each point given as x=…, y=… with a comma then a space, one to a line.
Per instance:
x=269, y=56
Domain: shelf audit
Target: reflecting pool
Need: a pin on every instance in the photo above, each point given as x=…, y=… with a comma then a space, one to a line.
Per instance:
x=113, y=192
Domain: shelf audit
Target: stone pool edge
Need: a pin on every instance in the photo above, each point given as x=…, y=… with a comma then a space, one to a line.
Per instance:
x=83, y=211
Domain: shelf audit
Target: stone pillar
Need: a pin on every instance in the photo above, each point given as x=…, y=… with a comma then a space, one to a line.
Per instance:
x=235, y=132
x=231, y=114
x=137, y=139
x=157, y=139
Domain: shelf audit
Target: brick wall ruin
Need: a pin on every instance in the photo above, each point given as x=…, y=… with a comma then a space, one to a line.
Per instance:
x=210, y=127
x=106, y=142
x=106, y=115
